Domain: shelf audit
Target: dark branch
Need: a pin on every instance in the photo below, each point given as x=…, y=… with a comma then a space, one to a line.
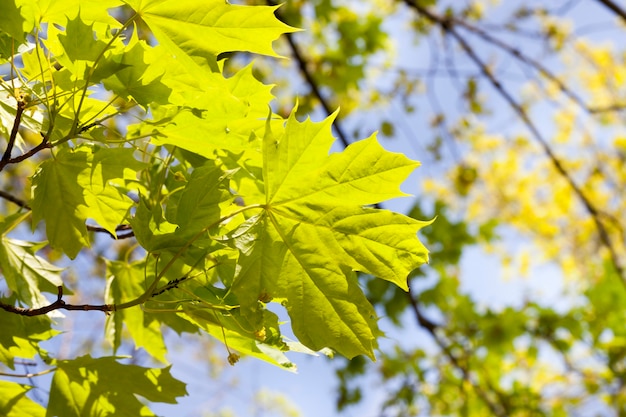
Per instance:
x=97, y=229
x=14, y=200
x=43, y=145
x=310, y=80
x=16, y=126
x=431, y=327
x=59, y=304
x=447, y=25
x=120, y=228
x=614, y=8
x=526, y=60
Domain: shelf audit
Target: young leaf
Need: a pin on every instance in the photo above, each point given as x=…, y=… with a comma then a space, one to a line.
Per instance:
x=210, y=27
x=15, y=403
x=76, y=186
x=79, y=42
x=127, y=282
x=86, y=386
x=132, y=81
x=21, y=335
x=26, y=273
x=198, y=206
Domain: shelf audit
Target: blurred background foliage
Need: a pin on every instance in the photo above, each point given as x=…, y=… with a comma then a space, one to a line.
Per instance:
x=517, y=111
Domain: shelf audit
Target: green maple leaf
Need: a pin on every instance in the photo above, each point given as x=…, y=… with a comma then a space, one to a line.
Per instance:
x=219, y=113
x=235, y=332
x=87, y=386
x=12, y=21
x=15, y=403
x=199, y=204
x=26, y=273
x=314, y=232
x=77, y=185
x=210, y=27
x=127, y=282
x=79, y=42
x=54, y=11
x=21, y=335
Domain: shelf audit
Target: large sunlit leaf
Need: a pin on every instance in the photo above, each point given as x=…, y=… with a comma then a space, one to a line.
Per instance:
x=314, y=232
x=215, y=112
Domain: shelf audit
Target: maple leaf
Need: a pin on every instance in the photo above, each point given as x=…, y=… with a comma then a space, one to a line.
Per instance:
x=15, y=403
x=314, y=232
x=77, y=185
x=210, y=27
x=89, y=386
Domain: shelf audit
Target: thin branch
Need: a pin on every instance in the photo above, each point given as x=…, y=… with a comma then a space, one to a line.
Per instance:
x=14, y=200
x=97, y=229
x=59, y=304
x=526, y=60
x=119, y=228
x=431, y=327
x=16, y=126
x=447, y=25
x=614, y=8
x=43, y=145
x=310, y=80
x=29, y=375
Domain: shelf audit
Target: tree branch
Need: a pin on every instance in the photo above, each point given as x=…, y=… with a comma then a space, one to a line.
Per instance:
x=447, y=25
x=97, y=229
x=16, y=126
x=614, y=8
x=14, y=200
x=310, y=80
x=59, y=304
x=29, y=375
x=500, y=410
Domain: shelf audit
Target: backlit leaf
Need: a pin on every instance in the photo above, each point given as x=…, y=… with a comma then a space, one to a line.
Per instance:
x=15, y=403
x=87, y=386
x=314, y=232
x=210, y=27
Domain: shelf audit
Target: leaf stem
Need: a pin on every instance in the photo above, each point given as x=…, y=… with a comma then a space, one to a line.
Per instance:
x=30, y=375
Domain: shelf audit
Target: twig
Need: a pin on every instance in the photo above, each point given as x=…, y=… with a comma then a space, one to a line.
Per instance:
x=14, y=200
x=447, y=25
x=302, y=65
x=122, y=227
x=59, y=304
x=528, y=61
x=43, y=145
x=29, y=375
x=614, y=8
x=16, y=126
x=431, y=327
x=119, y=228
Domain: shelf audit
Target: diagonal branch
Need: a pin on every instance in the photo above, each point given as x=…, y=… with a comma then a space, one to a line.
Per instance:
x=447, y=25
x=614, y=8
x=59, y=304
x=310, y=80
x=14, y=200
x=500, y=410
x=542, y=69
x=120, y=228
x=16, y=126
